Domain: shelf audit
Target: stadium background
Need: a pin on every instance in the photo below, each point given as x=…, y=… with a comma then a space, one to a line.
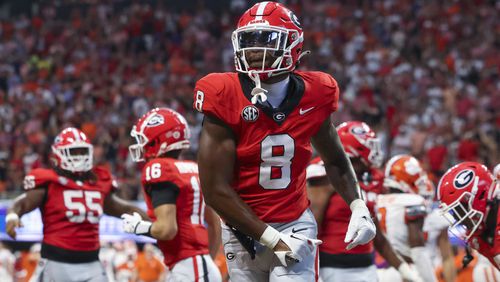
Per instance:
x=423, y=74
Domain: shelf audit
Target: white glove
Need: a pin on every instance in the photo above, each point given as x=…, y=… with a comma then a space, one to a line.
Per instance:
x=361, y=228
x=497, y=260
x=300, y=247
x=135, y=225
x=408, y=273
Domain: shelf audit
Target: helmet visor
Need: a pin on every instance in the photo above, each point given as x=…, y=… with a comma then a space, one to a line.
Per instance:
x=271, y=39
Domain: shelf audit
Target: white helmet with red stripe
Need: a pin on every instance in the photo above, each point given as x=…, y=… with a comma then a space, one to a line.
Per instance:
x=72, y=150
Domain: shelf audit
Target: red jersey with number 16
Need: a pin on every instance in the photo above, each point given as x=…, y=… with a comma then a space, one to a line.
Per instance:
x=272, y=144
x=192, y=236
x=72, y=209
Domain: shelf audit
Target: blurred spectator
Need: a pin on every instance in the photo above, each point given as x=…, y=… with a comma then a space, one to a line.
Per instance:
x=148, y=267
x=424, y=73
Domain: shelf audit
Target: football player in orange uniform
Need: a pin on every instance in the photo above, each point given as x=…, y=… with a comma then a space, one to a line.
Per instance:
x=72, y=197
x=338, y=263
x=402, y=211
x=255, y=146
x=173, y=196
x=468, y=195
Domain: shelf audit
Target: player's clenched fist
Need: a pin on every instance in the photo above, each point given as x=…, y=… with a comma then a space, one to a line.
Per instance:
x=361, y=228
x=135, y=225
x=12, y=222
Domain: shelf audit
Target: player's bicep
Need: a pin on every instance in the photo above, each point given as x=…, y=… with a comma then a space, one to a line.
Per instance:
x=327, y=142
x=29, y=201
x=166, y=215
x=216, y=156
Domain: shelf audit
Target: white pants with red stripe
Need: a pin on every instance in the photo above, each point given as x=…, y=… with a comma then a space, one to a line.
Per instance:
x=265, y=266
x=354, y=274
x=197, y=268
x=484, y=271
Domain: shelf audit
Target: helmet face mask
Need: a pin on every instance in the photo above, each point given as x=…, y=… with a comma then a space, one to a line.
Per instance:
x=465, y=192
x=268, y=40
x=460, y=214
x=72, y=151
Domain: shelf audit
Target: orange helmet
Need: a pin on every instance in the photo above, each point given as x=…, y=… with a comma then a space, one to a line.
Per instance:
x=405, y=173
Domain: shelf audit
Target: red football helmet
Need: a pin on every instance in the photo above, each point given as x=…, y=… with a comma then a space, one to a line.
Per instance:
x=159, y=131
x=360, y=140
x=272, y=28
x=464, y=192
x=405, y=173
x=72, y=151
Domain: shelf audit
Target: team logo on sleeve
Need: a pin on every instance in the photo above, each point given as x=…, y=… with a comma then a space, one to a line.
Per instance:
x=463, y=178
x=155, y=121
x=250, y=113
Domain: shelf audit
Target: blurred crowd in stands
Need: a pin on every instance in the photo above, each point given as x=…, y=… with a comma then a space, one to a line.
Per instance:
x=424, y=74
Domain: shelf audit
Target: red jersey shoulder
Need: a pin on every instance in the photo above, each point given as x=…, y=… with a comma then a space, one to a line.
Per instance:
x=104, y=175
x=211, y=93
x=39, y=177
x=323, y=87
x=160, y=170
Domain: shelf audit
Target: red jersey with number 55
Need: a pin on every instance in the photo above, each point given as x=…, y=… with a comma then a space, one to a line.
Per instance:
x=72, y=209
x=192, y=236
x=272, y=144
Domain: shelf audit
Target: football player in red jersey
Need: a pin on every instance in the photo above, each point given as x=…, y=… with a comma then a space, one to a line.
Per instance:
x=255, y=145
x=72, y=197
x=174, y=199
x=338, y=262
x=467, y=195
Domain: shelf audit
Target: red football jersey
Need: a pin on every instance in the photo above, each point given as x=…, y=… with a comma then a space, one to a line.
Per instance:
x=272, y=144
x=489, y=247
x=72, y=209
x=192, y=236
x=337, y=215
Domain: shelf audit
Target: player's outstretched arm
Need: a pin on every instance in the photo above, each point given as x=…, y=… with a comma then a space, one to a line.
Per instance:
x=361, y=229
x=115, y=206
x=23, y=204
x=418, y=253
x=214, y=231
x=216, y=159
x=163, y=198
x=449, y=268
x=385, y=249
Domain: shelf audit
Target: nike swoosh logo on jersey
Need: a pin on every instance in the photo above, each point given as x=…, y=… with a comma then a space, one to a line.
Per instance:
x=298, y=230
x=303, y=112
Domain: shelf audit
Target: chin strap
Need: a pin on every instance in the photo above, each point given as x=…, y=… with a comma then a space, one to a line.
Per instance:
x=307, y=52
x=258, y=93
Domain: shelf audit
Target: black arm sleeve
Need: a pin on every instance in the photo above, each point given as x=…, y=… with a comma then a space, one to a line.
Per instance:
x=163, y=193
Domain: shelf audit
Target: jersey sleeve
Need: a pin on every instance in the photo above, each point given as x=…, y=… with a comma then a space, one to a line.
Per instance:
x=105, y=176
x=209, y=96
x=160, y=171
x=38, y=178
x=332, y=93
